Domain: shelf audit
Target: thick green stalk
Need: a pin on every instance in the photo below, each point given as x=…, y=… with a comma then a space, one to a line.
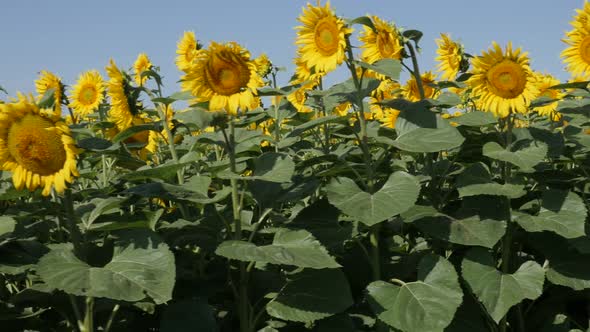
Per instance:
x=243, y=305
x=72, y=223
x=170, y=139
x=88, y=325
x=507, y=240
x=416, y=71
x=374, y=231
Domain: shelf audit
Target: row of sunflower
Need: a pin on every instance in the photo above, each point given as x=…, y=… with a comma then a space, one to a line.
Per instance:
x=456, y=201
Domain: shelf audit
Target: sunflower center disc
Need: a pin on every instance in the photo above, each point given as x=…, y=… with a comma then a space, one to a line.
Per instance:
x=35, y=146
x=326, y=36
x=88, y=95
x=585, y=49
x=507, y=79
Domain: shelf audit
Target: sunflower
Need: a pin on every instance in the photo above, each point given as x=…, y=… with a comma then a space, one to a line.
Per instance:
x=577, y=55
x=389, y=117
x=120, y=112
x=543, y=83
x=450, y=57
x=388, y=89
x=142, y=63
x=321, y=38
x=224, y=76
x=382, y=43
x=263, y=65
x=411, y=91
x=87, y=94
x=298, y=97
x=502, y=82
x=47, y=80
x=186, y=49
x=36, y=148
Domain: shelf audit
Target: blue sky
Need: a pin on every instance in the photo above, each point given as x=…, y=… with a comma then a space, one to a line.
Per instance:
x=71, y=36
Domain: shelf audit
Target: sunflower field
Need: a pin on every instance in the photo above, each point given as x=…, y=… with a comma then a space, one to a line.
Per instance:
x=452, y=200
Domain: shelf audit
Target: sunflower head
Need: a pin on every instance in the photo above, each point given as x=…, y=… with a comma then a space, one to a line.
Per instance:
x=451, y=58
x=122, y=109
x=411, y=91
x=186, y=50
x=226, y=77
x=87, y=94
x=47, y=80
x=382, y=43
x=577, y=55
x=543, y=83
x=502, y=81
x=36, y=148
x=321, y=38
x=142, y=63
x=263, y=65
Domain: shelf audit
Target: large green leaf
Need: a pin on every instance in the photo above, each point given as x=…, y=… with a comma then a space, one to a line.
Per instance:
x=397, y=195
x=7, y=225
x=388, y=67
x=142, y=265
x=298, y=248
x=524, y=158
x=475, y=119
x=493, y=188
x=561, y=212
x=571, y=271
x=312, y=295
x=429, y=139
x=470, y=232
x=499, y=291
x=426, y=305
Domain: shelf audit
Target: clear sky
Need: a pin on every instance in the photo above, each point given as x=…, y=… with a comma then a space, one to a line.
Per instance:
x=68, y=37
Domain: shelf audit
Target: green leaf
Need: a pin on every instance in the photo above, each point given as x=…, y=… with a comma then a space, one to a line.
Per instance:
x=298, y=248
x=388, y=67
x=273, y=167
x=571, y=271
x=48, y=99
x=312, y=295
x=364, y=20
x=163, y=172
x=524, y=158
x=176, y=193
x=7, y=225
x=414, y=35
x=429, y=140
x=561, y=212
x=297, y=131
x=141, y=265
x=3, y=90
x=103, y=206
x=469, y=232
x=476, y=119
x=494, y=189
x=498, y=291
x=96, y=144
x=426, y=305
x=398, y=194
x=127, y=133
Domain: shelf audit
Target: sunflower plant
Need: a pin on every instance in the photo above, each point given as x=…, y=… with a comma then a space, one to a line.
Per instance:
x=451, y=199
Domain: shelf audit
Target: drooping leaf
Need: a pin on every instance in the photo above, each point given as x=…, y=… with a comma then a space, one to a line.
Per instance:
x=142, y=265
x=388, y=67
x=499, y=291
x=428, y=304
x=524, y=158
x=429, y=140
x=493, y=188
x=312, y=295
x=397, y=195
x=298, y=248
x=470, y=232
x=475, y=119
x=561, y=212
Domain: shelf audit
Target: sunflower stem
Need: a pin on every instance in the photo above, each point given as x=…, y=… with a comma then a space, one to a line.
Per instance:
x=112, y=318
x=416, y=71
x=88, y=325
x=507, y=240
x=243, y=305
x=374, y=230
x=73, y=225
x=276, y=109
